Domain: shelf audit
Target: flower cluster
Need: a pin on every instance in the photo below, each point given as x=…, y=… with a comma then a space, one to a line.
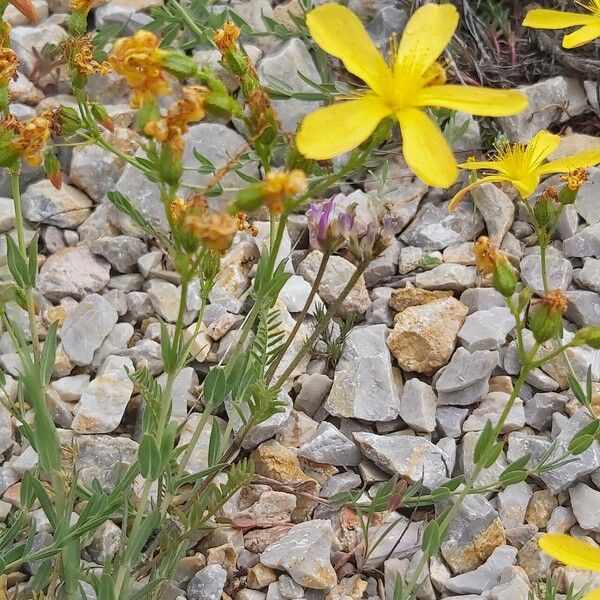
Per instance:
x=81, y=50
x=226, y=38
x=491, y=261
x=140, y=60
x=170, y=129
x=194, y=222
x=31, y=138
x=9, y=64
x=280, y=185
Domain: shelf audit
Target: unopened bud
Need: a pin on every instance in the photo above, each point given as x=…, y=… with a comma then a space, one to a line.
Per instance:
x=545, y=212
x=68, y=120
x=53, y=169
x=590, y=336
x=101, y=115
x=504, y=278
x=180, y=64
x=544, y=323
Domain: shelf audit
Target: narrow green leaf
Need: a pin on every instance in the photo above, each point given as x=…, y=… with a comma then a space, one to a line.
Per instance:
x=136, y=543
x=492, y=454
x=16, y=263
x=431, y=538
x=214, y=444
x=168, y=352
x=576, y=388
x=32, y=259
x=49, y=353
x=215, y=387
x=149, y=457
x=482, y=443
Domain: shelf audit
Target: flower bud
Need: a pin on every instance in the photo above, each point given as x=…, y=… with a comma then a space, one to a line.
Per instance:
x=248, y=199
x=101, y=115
x=573, y=181
x=504, y=278
x=148, y=112
x=68, y=120
x=545, y=212
x=53, y=169
x=545, y=320
x=590, y=336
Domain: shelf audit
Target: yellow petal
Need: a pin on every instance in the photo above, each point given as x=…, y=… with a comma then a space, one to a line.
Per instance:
x=425, y=148
x=570, y=551
x=541, y=145
x=588, y=158
x=425, y=36
x=341, y=127
x=340, y=33
x=594, y=595
x=582, y=36
x=458, y=197
x=476, y=165
x=541, y=18
x=526, y=185
x=475, y=100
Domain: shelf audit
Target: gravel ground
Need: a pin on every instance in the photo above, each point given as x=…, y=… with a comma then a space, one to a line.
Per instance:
x=429, y=360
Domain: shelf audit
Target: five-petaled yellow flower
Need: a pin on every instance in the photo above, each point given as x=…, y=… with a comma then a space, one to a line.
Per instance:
x=523, y=165
x=414, y=81
x=588, y=23
x=574, y=553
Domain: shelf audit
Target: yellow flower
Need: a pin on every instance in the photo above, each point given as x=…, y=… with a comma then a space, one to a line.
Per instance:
x=83, y=57
x=140, y=60
x=523, y=165
x=226, y=38
x=84, y=6
x=413, y=82
x=574, y=553
x=278, y=186
x=214, y=229
x=8, y=65
x=170, y=129
x=543, y=18
x=32, y=139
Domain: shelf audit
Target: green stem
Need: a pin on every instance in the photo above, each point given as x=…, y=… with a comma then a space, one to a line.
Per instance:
x=544, y=266
x=20, y=227
x=301, y=316
x=189, y=22
x=322, y=325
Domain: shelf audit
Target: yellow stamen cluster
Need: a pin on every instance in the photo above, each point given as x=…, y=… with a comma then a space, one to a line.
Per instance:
x=245, y=225
x=226, y=37
x=575, y=179
x=8, y=65
x=31, y=140
x=189, y=109
x=555, y=301
x=140, y=60
x=278, y=186
x=83, y=57
x=84, y=6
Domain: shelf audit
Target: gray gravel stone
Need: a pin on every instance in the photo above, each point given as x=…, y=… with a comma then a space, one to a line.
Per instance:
x=434, y=228
x=286, y=64
x=465, y=379
x=584, y=308
x=487, y=575
x=472, y=535
x=342, y=482
x=121, y=251
x=329, y=446
x=72, y=272
x=540, y=408
x=497, y=210
x=418, y=405
x=548, y=99
x=585, y=503
x=103, y=402
x=450, y=420
x=85, y=328
x=490, y=409
x=588, y=276
x=466, y=461
x=512, y=503
x=560, y=272
x=207, y=584
x=365, y=385
x=411, y=457
x=447, y=276
x=486, y=329
x=587, y=202
x=584, y=244
x=476, y=299
x=560, y=478
x=304, y=553
x=313, y=393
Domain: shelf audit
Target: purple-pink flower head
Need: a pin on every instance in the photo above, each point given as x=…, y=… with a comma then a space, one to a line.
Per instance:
x=318, y=217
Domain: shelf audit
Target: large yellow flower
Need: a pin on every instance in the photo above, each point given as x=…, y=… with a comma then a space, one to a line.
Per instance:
x=523, y=165
x=574, y=553
x=589, y=23
x=414, y=81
